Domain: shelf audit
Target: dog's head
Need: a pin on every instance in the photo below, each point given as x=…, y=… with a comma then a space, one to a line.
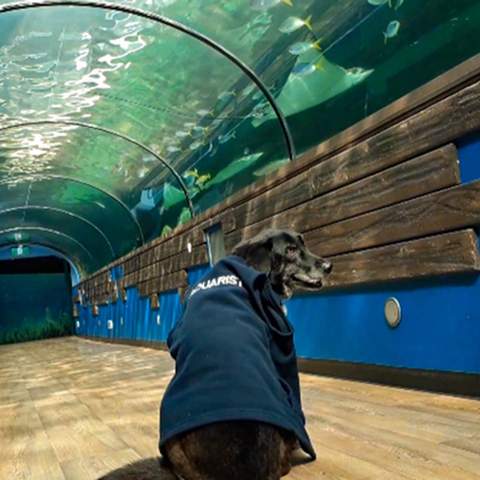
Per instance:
x=283, y=256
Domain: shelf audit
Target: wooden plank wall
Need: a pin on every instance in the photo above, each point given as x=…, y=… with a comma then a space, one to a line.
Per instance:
x=383, y=207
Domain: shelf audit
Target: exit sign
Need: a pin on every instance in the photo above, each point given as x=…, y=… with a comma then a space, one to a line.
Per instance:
x=20, y=251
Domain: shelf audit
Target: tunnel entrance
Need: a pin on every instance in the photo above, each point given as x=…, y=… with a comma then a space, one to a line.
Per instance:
x=35, y=298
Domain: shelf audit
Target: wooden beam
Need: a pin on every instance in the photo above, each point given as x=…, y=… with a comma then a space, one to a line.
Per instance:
x=442, y=211
x=437, y=125
x=451, y=253
x=428, y=173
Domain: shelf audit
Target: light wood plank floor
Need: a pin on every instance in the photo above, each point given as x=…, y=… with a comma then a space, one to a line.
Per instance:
x=75, y=409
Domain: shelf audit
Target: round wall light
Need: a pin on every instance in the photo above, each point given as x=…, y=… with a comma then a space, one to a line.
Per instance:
x=393, y=312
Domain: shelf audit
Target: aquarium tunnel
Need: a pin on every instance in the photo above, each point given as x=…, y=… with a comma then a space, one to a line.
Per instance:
x=122, y=121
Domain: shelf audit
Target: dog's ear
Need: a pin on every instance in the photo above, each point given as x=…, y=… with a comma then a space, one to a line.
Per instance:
x=257, y=252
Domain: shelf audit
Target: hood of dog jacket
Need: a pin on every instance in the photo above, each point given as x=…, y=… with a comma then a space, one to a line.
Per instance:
x=234, y=357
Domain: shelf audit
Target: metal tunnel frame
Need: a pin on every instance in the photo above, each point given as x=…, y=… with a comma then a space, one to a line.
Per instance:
x=182, y=28
x=109, y=132
x=65, y=212
x=49, y=230
x=98, y=189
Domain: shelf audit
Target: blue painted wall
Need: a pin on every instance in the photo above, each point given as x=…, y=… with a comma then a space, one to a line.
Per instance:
x=133, y=319
x=439, y=330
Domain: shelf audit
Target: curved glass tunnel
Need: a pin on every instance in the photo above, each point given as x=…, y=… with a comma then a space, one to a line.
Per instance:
x=118, y=124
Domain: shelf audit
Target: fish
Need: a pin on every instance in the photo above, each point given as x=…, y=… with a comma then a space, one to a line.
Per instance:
x=304, y=69
x=248, y=90
x=191, y=173
x=377, y=3
x=302, y=47
x=233, y=168
x=392, y=30
x=225, y=138
x=198, y=180
x=268, y=4
x=142, y=172
x=198, y=131
x=302, y=92
x=182, y=134
x=203, y=113
x=227, y=95
x=203, y=179
x=173, y=149
x=195, y=145
x=292, y=24
x=270, y=168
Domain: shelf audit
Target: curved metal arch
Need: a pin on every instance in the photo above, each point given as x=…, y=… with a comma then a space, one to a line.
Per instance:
x=65, y=212
x=123, y=205
x=177, y=26
x=58, y=251
x=53, y=232
x=108, y=131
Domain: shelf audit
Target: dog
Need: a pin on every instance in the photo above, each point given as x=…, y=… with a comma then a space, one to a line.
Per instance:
x=252, y=433
x=239, y=446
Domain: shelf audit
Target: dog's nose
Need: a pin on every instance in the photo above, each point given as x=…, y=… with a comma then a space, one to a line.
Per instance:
x=327, y=266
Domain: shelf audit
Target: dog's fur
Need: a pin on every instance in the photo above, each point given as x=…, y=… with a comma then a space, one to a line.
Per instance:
x=245, y=450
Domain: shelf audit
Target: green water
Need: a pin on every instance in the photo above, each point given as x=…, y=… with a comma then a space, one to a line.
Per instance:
x=328, y=63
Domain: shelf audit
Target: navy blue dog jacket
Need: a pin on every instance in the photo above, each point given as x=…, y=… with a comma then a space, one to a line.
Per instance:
x=235, y=357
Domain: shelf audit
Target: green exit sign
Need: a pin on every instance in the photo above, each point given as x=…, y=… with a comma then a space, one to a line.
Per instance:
x=19, y=237
x=20, y=251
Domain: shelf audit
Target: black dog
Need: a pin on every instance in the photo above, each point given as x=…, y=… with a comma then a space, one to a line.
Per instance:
x=245, y=353
x=233, y=409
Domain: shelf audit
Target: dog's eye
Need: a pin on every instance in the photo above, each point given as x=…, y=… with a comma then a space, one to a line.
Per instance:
x=291, y=249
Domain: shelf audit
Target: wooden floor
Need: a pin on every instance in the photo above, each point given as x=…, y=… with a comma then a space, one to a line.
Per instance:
x=76, y=409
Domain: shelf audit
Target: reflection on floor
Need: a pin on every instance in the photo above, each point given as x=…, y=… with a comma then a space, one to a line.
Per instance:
x=75, y=409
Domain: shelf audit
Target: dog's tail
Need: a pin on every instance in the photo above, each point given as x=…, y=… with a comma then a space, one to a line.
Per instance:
x=147, y=469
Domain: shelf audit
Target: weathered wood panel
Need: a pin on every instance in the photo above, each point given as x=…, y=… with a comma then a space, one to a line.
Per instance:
x=430, y=172
x=446, y=210
x=170, y=282
x=437, y=125
x=162, y=284
x=449, y=253
x=287, y=195
x=176, y=263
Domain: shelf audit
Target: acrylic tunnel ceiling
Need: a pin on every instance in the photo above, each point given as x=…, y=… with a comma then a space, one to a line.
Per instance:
x=119, y=121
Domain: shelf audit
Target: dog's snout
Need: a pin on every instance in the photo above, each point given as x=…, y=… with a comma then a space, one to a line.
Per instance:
x=327, y=266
